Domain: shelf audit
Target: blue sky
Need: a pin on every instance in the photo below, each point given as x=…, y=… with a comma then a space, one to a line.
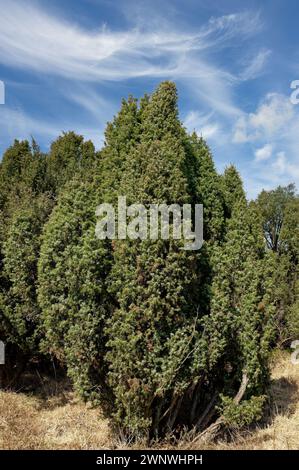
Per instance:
x=66, y=65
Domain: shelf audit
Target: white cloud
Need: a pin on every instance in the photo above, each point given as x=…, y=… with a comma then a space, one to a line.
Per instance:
x=209, y=131
x=280, y=164
x=202, y=124
x=240, y=133
x=255, y=67
x=195, y=120
x=285, y=167
x=90, y=100
x=33, y=39
x=274, y=125
x=17, y=124
x=263, y=153
x=273, y=116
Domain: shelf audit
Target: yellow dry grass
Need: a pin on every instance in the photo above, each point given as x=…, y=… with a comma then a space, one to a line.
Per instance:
x=57, y=420
x=281, y=430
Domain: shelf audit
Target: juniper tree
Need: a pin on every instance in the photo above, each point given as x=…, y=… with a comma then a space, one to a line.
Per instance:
x=121, y=135
x=153, y=281
x=290, y=247
x=232, y=188
x=29, y=182
x=208, y=190
x=24, y=209
x=239, y=328
x=292, y=316
x=22, y=167
x=18, y=303
x=74, y=264
x=160, y=336
x=69, y=157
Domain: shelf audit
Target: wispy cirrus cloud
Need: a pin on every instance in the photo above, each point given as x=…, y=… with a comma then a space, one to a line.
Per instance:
x=256, y=65
x=33, y=39
x=19, y=124
x=207, y=60
x=202, y=124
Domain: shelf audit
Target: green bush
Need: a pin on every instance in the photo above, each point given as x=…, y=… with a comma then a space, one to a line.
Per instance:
x=159, y=336
x=27, y=198
x=243, y=414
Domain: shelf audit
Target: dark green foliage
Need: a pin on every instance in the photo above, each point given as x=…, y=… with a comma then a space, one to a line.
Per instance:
x=72, y=270
x=69, y=156
x=153, y=281
x=28, y=191
x=239, y=328
x=242, y=295
x=292, y=317
x=232, y=188
x=239, y=415
x=167, y=351
x=120, y=137
x=74, y=264
x=18, y=303
x=159, y=336
x=22, y=168
x=24, y=209
x=208, y=190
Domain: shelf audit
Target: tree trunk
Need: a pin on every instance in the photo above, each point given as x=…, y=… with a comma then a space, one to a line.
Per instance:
x=210, y=433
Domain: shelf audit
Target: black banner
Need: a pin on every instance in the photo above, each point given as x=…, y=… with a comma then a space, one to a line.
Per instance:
x=128, y=459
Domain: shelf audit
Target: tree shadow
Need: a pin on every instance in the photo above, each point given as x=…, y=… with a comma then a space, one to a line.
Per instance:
x=282, y=401
x=283, y=398
x=49, y=385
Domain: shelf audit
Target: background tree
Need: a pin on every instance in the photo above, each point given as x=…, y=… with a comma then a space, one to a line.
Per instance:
x=272, y=205
x=18, y=303
x=24, y=208
x=279, y=209
x=73, y=266
x=28, y=191
x=69, y=157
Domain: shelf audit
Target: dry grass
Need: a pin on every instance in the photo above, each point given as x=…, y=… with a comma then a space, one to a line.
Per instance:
x=55, y=419
x=281, y=431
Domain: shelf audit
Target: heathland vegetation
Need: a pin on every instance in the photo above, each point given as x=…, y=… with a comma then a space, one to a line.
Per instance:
x=161, y=339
